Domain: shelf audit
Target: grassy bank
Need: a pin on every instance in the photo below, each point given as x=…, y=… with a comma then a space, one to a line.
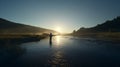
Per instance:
x=20, y=38
x=102, y=35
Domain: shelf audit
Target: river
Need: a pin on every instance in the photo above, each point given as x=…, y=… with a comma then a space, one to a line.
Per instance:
x=63, y=51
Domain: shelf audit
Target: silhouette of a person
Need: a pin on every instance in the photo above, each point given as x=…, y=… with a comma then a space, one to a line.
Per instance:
x=50, y=35
x=50, y=40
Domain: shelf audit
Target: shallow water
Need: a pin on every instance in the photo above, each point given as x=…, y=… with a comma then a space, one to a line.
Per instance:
x=63, y=51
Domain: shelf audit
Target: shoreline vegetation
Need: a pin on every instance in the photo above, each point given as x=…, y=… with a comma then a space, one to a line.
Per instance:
x=20, y=38
x=2, y=36
x=110, y=36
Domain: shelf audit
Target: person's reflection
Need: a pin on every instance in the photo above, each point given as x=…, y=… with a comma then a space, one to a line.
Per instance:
x=50, y=40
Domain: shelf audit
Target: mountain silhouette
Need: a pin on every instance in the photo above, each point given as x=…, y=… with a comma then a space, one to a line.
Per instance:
x=7, y=27
x=108, y=26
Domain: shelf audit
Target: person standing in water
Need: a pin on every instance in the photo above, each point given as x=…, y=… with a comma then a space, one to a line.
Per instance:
x=50, y=35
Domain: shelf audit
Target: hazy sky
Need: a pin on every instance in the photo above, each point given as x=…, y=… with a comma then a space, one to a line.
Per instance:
x=66, y=14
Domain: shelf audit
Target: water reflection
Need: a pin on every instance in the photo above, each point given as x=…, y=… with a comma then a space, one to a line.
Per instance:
x=57, y=60
x=50, y=42
x=58, y=40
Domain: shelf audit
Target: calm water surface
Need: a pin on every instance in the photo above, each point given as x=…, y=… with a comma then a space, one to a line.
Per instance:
x=63, y=51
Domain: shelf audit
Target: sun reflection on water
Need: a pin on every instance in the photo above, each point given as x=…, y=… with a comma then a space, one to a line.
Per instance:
x=58, y=40
x=58, y=60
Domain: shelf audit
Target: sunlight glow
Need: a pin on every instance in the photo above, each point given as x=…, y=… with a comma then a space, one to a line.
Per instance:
x=58, y=29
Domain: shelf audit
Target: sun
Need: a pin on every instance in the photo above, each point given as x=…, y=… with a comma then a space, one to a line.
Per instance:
x=58, y=29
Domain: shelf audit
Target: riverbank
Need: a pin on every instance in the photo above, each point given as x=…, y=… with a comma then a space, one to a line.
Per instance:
x=110, y=36
x=18, y=39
